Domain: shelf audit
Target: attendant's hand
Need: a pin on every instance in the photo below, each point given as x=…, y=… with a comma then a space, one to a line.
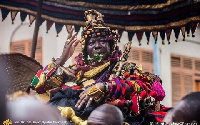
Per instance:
x=84, y=97
x=69, y=48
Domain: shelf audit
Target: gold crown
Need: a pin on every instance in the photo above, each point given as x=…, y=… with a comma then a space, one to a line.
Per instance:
x=95, y=27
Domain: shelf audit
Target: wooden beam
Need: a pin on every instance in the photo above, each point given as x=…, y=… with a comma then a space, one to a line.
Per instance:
x=37, y=24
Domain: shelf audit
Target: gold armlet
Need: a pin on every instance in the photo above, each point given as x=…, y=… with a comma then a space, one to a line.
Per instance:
x=68, y=112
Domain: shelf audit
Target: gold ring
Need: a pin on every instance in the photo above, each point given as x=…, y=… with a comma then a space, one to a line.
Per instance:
x=90, y=99
x=68, y=40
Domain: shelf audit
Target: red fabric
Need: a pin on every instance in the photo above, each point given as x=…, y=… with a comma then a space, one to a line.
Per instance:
x=145, y=79
x=159, y=116
x=50, y=72
x=39, y=73
x=153, y=94
x=122, y=102
x=74, y=87
x=133, y=76
x=123, y=88
x=164, y=108
x=135, y=106
x=159, y=119
x=129, y=83
x=145, y=87
x=126, y=75
x=64, y=86
x=132, y=94
x=143, y=94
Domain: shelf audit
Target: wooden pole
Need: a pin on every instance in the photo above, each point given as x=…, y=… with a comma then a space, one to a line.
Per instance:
x=37, y=24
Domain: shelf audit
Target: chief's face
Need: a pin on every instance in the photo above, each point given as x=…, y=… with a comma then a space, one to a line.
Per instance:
x=98, y=45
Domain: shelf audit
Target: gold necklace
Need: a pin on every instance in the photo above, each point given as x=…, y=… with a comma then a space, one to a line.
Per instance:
x=91, y=73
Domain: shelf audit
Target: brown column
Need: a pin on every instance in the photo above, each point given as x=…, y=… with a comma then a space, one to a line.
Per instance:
x=37, y=24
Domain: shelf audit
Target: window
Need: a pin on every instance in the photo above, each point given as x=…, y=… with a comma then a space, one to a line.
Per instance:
x=185, y=72
x=176, y=93
x=142, y=56
x=197, y=65
x=24, y=47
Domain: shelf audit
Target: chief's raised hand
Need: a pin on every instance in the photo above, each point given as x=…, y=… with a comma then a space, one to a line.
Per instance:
x=94, y=92
x=69, y=47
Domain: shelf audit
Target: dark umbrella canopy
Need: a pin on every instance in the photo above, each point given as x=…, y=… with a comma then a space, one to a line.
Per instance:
x=126, y=15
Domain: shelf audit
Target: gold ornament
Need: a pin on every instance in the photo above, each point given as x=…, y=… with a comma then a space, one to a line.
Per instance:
x=95, y=26
x=42, y=80
x=123, y=58
x=88, y=83
x=68, y=112
x=93, y=91
x=96, y=70
x=57, y=80
x=139, y=67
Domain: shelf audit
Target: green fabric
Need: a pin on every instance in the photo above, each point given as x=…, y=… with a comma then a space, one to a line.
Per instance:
x=35, y=80
x=97, y=58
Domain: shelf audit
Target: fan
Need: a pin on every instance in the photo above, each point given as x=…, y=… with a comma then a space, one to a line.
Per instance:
x=19, y=69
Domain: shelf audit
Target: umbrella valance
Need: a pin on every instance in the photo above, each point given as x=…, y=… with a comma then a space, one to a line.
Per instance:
x=135, y=16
